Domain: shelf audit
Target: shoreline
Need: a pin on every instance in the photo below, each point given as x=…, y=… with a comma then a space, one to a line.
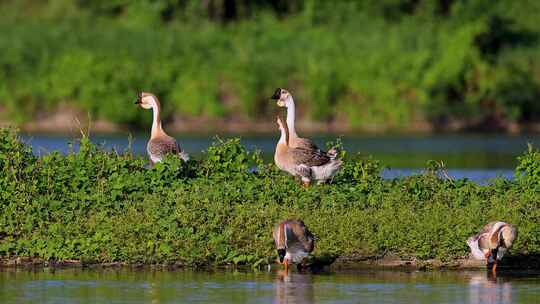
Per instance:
x=66, y=122
x=517, y=262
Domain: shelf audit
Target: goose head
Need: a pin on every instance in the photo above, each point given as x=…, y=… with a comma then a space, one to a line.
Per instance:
x=281, y=254
x=283, y=97
x=147, y=100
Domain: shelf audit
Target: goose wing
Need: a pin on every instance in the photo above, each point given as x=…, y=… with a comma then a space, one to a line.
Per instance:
x=306, y=143
x=303, y=235
x=309, y=157
x=163, y=145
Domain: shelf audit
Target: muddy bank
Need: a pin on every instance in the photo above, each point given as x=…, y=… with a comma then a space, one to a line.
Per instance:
x=390, y=262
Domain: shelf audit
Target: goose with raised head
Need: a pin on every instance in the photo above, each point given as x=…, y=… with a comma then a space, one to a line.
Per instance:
x=284, y=99
x=294, y=242
x=308, y=164
x=492, y=242
x=160, y=143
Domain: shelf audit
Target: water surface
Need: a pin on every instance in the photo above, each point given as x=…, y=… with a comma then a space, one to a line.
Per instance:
x=125, y=286
x=479, y=157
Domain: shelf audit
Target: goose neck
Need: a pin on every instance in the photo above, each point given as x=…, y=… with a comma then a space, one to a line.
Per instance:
x=156, y=122
x=291, y=117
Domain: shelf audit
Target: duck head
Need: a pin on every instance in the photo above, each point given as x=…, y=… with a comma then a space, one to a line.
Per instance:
x=146, y=100
x=282, y=97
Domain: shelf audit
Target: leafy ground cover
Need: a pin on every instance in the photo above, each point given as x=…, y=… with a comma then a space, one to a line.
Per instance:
x=99, y=206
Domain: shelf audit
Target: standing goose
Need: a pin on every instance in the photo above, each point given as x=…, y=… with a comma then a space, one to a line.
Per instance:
x=160, y=143
x=294, y=242
x=307, y=164
x=285, y=99
x=492, y=242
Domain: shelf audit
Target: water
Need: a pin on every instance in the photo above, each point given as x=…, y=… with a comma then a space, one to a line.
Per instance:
x=479, y=157
x=125, y=286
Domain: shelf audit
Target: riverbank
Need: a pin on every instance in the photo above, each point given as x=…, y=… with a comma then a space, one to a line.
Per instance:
x=69, y=121
x=106, y=207
x=340, y=264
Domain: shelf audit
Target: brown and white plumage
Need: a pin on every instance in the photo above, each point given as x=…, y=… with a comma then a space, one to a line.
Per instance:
x=308, y=164
x=160, y=143
x=492, y=242
x=294, y=242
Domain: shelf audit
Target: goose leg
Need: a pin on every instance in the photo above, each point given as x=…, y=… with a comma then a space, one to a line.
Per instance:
x=286, y=263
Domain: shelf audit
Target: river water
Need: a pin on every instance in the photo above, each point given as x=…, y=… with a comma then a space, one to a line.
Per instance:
x=127, y=286
x=479, y=157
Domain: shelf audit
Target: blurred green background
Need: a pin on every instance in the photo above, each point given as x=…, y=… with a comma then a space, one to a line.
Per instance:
x=359, y=65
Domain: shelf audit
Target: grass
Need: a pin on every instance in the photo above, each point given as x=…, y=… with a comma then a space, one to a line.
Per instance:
x=99, y=206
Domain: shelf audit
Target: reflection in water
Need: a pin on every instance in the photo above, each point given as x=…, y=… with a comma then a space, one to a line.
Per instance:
x=486, y=288
x=293, y=288
x=66, y=286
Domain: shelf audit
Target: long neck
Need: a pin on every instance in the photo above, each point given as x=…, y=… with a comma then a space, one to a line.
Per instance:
x=282, y=236
x=284, y=138
x=156, y=123
x=291, y=116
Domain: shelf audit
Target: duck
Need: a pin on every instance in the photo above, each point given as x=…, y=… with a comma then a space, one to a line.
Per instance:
x=294, y=242
x=308, y=164
x=160, y=143
x=492, y=242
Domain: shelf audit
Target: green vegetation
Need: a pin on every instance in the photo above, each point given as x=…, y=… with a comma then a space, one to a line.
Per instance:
x=388, y=63
x=100, y=206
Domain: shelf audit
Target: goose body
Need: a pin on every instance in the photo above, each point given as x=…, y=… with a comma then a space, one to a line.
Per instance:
x=294, y=242
x=308, y=164
x=160, y=144
x=492, y=242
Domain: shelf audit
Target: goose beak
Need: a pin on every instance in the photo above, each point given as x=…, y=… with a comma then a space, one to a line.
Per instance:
x=139, y=98
x=276, y=95
x=281, y=254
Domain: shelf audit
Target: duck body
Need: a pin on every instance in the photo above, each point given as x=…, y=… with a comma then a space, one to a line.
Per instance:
x=492, y=242
x=160, y=144
x=308, y=164
x=294, y=242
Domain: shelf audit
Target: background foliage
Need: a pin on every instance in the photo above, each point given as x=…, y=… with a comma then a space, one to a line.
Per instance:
x=388, y=63
x=101, y=206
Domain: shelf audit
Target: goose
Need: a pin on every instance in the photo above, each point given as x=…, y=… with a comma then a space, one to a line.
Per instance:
x=308, y=164
x=160, y=143
x=492, y=242
x=284, y=99
x=294, y=242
